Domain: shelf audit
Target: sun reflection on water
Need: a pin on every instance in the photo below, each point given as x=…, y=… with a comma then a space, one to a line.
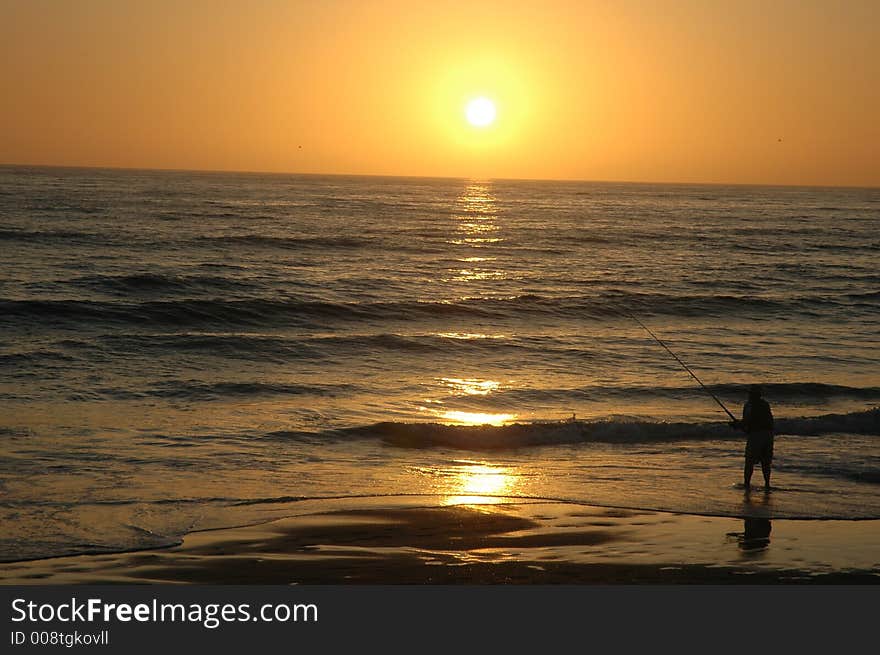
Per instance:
x=480, y=484
x=470, y=386
x=476, y=418
x=469, y=335
x=476, y=222
x=475, y=227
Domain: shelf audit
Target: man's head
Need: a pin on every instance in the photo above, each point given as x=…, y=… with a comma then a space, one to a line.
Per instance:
x=755, y=391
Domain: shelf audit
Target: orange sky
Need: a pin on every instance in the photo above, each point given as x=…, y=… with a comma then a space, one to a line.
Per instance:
x=688, y=91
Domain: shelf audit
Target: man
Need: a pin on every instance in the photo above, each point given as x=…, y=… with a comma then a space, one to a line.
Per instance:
x=757, y=422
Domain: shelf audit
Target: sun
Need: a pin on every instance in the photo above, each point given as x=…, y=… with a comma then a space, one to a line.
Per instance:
x=480, y=112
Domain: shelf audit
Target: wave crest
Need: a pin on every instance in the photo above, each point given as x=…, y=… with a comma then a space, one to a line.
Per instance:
x=613, y=430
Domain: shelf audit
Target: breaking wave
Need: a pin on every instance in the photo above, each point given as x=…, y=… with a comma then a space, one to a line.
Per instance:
x=613, y=430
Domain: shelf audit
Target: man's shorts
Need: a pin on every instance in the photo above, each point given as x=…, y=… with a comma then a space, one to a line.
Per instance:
x=759, y=447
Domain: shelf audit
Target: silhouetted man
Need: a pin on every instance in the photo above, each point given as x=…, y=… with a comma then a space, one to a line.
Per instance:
x=757, y=422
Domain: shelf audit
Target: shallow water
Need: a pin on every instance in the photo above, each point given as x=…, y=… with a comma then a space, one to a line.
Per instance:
x=175, y=344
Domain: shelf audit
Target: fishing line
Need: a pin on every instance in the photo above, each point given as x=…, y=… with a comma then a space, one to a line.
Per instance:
x=685, y=366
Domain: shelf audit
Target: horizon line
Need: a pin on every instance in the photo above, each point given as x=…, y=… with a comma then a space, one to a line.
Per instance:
x=434, y=177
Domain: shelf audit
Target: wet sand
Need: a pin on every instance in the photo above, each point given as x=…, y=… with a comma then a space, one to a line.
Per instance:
x=516, y=543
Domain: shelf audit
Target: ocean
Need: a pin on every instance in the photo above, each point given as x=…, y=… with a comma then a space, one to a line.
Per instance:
x=184, y=350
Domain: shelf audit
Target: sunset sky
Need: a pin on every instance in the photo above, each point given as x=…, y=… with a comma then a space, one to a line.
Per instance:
x=691, y=91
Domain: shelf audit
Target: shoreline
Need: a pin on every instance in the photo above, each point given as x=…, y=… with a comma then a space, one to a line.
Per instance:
x=482, y=541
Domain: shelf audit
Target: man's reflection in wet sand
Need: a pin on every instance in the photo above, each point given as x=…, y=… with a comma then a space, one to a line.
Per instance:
x=755, y=537
x=756, y=534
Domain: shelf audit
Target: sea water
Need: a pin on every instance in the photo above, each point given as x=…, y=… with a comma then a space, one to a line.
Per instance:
x=184, y=350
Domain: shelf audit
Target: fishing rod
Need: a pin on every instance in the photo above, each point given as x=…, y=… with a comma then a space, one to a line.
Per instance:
x=685, y=366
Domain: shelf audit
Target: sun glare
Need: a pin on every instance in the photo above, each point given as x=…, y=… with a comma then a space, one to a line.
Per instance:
x=481, y=484
x=476, y=418
x=480, y=112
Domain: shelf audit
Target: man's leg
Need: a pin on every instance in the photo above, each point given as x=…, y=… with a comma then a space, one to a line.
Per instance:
x=747, y=472
x=766, y=464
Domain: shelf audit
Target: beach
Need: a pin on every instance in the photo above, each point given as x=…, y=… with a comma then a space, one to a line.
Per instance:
x=415, y=541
